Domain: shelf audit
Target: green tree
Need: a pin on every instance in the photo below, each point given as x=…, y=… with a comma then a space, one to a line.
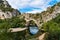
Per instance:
x=53, y=29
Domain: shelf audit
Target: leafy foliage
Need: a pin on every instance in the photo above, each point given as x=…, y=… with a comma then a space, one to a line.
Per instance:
x=3, y=8
x=53, y=28
x=12, y=23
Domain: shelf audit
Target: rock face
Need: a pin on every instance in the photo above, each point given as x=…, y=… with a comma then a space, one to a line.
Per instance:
x=6, y=11
x=44, y=16
x=52, y=15
x=4, y=15
x=6, y=3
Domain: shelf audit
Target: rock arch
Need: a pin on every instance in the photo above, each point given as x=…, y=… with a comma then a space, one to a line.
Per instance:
x=28, y=21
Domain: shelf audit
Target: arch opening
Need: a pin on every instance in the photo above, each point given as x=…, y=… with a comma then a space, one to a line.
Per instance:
x=32, y=27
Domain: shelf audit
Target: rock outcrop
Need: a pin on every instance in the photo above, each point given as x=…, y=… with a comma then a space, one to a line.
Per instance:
x=6, y=11
x=44, y=16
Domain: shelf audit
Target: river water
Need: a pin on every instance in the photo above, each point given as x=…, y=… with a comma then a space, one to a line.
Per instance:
x=33, y=29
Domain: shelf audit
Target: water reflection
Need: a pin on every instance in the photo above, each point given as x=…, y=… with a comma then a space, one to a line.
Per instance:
x=33, y=29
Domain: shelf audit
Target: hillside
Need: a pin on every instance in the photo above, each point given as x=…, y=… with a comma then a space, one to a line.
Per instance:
x=52, y=28
x=6, y=11
x=44, y=16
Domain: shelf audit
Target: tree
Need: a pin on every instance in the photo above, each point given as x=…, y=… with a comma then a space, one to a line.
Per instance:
x=53, y=28
x=12, y=23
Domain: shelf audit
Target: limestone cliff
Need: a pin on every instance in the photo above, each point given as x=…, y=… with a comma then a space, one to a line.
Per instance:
x=6, y=11
x=44, y=16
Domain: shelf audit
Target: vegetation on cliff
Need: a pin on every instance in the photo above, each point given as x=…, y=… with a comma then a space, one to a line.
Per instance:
x=4, y=9
x=8, y=8
x=53, y=29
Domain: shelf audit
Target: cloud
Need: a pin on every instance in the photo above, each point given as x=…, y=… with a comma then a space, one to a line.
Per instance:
x=34, y=11
x=39, y=3
x=18, y=3
x=22, y=4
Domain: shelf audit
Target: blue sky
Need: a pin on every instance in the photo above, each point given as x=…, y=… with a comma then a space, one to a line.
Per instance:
x=32, y=6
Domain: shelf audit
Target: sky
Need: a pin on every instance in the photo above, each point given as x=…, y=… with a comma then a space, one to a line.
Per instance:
x=31, y=6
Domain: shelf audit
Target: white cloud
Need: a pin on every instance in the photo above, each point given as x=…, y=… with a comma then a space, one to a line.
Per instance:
x=25, y=3
x=40, y=3
x=34, y=11
x=20, y=4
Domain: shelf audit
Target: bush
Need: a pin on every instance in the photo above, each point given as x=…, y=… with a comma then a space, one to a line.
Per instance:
x=53, y=28
x=12, y=23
